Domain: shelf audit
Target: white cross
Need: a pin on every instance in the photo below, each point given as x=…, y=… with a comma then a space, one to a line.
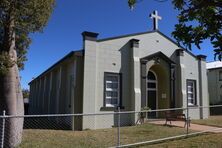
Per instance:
x=155, y=18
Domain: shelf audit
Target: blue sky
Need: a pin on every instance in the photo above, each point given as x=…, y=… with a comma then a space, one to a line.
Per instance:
x=106, y=17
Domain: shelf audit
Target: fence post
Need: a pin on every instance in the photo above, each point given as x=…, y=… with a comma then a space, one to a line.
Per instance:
x=3, y=130
x=118, y=128
x=187, y=122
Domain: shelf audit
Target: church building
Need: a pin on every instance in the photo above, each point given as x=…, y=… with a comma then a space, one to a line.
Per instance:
x=133, y=71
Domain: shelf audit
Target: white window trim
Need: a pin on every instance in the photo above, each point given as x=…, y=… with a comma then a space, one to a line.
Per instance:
x=112, y=90
x=190, y=92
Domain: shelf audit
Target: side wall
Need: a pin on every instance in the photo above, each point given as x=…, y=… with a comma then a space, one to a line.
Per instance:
x=54, y=91
x=78, y=95
x=215, y=86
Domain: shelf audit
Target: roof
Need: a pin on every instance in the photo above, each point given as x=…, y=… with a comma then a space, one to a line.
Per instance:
x=147, y=32
x=72, y=53
x=214, y=65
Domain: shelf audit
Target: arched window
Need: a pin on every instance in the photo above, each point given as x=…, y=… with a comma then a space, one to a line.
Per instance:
x=152, y=101
x=151, y=76
x=151, y=81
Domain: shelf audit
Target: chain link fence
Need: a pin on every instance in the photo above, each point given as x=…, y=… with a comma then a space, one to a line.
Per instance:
x=108, y=129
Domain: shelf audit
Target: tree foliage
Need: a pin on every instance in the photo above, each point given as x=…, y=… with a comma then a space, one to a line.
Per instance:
x=198, y=20
x=29, y=16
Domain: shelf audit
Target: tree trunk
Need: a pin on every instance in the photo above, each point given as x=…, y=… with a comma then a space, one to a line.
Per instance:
x=12, y=102
x=11, y=99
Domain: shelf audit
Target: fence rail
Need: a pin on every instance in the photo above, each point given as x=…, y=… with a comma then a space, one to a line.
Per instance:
x=117, y=124
x=109, y=113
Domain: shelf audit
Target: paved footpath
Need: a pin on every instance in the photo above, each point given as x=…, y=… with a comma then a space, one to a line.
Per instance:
x=195, y=127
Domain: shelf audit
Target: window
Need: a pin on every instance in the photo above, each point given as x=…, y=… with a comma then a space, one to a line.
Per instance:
x=151, y=81
x=191, y=92
x=220, y=75
x=112, y=89
x=151, y=76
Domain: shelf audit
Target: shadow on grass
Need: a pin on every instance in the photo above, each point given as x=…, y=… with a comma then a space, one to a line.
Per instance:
x=47, y=123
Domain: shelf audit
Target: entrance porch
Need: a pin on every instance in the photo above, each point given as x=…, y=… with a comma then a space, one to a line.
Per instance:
x=157, y=83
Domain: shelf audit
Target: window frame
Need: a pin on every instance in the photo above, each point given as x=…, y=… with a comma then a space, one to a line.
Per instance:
x=194, y=92
x=151, y=81
x=119, y=90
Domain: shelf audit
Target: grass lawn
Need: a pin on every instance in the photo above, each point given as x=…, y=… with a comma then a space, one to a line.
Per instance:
x=212, y=120
x=108, y=137
x=95, y=138
x=200, y=141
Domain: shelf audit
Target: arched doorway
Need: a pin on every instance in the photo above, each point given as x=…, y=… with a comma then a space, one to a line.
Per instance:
x=152, y=101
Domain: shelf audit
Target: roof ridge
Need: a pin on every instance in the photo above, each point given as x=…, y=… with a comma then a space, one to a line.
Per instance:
x=126, y=35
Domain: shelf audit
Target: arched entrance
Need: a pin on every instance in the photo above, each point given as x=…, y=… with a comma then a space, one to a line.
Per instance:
x=157, y=83
x=152, y=101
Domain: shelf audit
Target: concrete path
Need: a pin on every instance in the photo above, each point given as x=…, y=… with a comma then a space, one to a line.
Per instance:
x=195, y=127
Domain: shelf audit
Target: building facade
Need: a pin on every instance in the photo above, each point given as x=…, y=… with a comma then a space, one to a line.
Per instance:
x=131, y=72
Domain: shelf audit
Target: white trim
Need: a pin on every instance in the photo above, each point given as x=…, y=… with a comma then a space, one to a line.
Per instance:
x=192, y=86
x=112, y=90
x=136, y=59
x=215, y=64
x=111, y=82
x=107, y=97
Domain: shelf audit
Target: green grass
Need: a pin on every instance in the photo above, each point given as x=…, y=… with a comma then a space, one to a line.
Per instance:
x=212, y=120
x=108, y=137
x=96, y=138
